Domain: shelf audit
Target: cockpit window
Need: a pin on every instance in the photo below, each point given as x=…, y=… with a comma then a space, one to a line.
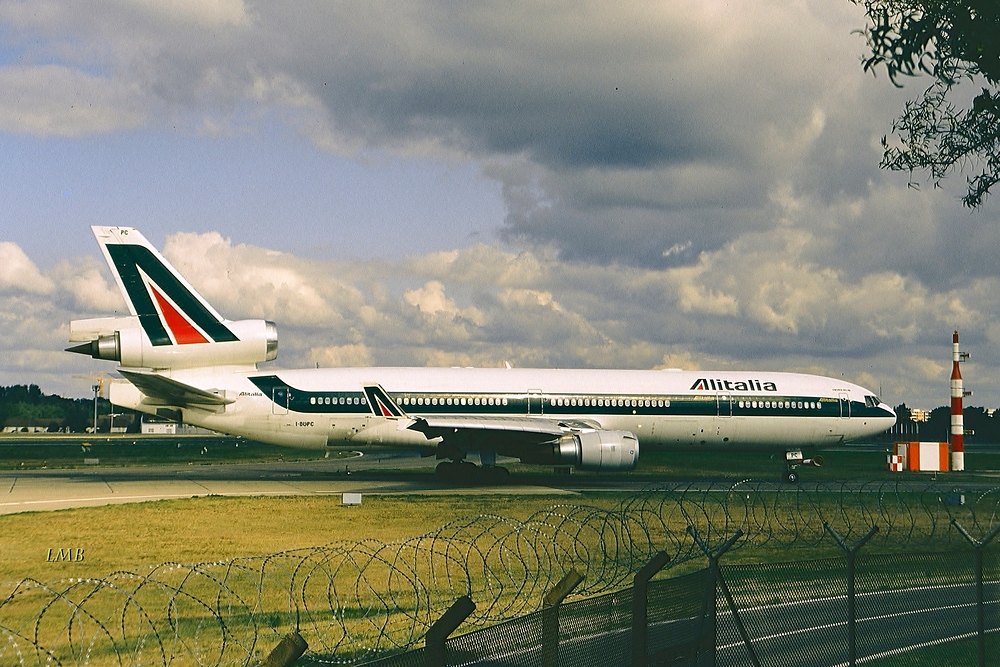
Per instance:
x=872, y=401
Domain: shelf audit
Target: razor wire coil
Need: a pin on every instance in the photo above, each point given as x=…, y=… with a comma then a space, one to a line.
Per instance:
x=354, y=600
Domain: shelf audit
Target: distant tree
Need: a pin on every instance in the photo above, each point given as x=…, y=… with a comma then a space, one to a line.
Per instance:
x=951, y=41
x=28, y=401
x=980, y=423
x=938, y=427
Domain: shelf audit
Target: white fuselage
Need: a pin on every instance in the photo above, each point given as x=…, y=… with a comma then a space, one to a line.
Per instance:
x=665, y=408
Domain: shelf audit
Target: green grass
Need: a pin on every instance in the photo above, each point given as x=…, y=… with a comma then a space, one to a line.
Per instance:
x=138, y=537
x=141, y=535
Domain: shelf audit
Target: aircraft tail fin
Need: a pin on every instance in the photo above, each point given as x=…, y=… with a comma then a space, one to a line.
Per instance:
x=172, y=325
x=170, y=311
x=380, y=403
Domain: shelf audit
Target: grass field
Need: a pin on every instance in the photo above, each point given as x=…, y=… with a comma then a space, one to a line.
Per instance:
x=137, y=536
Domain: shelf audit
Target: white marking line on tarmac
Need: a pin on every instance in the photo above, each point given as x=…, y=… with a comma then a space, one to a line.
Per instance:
x=903, y=649
x=155, y=497
x=862, y=619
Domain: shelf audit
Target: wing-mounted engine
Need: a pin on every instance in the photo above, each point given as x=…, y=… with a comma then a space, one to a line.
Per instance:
x=123, y=339
x=594, y=450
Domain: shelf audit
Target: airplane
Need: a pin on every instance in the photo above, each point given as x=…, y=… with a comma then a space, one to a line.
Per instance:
x=182, y=360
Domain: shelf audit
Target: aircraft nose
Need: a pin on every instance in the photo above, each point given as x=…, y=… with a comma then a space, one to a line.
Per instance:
x=889, y=412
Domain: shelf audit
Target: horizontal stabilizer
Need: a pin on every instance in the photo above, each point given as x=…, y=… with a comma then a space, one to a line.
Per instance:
x=172, y=392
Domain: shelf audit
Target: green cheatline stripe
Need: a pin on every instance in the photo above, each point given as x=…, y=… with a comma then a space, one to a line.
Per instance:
x=679, y=406
x=126, y=259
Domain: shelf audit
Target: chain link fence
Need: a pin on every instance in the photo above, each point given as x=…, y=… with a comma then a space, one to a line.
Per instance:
x=776, y=614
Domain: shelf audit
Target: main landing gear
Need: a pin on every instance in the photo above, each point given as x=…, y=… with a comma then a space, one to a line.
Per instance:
x=464, y=472
x=794, y=459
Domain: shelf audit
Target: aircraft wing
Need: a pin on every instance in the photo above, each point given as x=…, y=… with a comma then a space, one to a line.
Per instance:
x=172, y=392
x=513, y=430
x=505, y=433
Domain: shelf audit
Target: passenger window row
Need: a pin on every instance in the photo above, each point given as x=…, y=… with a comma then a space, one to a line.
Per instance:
x=787, y=405
x=609, y=402
x=334, y=400
x=433, y=400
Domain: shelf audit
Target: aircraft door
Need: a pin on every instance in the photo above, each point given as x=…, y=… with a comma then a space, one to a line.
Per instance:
x=845, y=406
x=535, y=402
x=724, y=402
x=280, y=397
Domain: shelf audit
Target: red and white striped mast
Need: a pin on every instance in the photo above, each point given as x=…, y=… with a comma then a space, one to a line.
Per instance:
x=957, y=393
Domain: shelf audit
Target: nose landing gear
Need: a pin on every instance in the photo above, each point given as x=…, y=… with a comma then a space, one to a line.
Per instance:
x=794, y=459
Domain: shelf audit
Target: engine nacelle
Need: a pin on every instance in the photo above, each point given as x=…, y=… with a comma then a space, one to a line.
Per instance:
x=598, y=450
x=124, y=341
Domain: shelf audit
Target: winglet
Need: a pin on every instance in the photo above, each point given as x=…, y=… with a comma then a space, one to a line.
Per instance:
x=380, y=403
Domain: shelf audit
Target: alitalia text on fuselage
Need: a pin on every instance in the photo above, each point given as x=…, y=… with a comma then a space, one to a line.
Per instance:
x=712, y=384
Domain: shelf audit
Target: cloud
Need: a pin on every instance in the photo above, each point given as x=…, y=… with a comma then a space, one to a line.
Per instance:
x=341, y=356
x=617, y=133
x=251, y=283
x=17, y=272
x=201, y=12
x=53, y=100
x=430, y=299
x=88, y=288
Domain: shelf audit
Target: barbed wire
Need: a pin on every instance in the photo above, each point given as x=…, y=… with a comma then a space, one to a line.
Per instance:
x=352, y=600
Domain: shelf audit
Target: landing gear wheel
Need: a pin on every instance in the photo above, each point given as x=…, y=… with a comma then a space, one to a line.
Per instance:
x=496, y=475
x=457, y=472
x=791, y=477
x=445, y=472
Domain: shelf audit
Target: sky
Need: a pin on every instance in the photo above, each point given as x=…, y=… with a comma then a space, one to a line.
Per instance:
x=546, y=183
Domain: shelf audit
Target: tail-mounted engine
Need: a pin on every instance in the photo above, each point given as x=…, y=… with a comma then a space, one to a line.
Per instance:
x=122, y=339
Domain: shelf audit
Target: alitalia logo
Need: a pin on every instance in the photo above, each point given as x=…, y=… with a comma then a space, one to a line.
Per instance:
x=168, y=312
x=703, y=384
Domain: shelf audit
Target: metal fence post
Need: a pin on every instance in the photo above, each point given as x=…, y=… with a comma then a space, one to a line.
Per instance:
x=640, y=585
x=980, y=618
x=550, y=616
x=289, y=649
x=442, y=628
x=852, y=611
x=714, y=578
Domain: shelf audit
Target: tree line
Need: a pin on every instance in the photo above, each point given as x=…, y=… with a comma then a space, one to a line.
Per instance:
x=29, y=402
x=985, y=427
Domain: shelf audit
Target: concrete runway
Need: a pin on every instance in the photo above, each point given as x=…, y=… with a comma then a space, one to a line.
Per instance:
x=53, y=489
